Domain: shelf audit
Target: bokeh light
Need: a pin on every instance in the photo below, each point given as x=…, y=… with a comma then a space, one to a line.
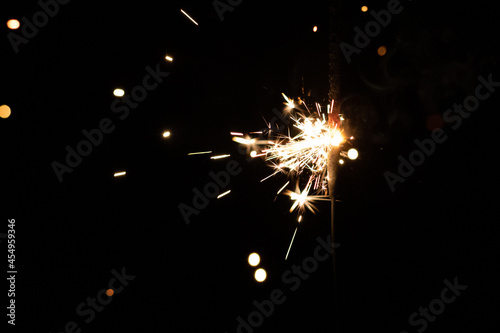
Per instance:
x=364, y=9
x=260, y=275
x=382, y=50
x=169, y=58
x=118, y=92
x=13, y=24
x=110, y=292
x=352, y=154
x=253, y=259
x=166, y=134
x=5, y=111
x=315, y=28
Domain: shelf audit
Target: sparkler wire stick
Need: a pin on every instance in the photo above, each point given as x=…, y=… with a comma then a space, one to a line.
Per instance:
x=334, y=78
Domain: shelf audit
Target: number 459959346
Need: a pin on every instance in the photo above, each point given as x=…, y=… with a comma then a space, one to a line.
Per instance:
x=11, y=242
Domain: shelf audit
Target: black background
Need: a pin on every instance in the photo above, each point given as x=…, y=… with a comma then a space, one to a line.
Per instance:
x=396, y=247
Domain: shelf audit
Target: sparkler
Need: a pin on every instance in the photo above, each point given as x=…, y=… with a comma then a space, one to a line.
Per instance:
x=312, y=155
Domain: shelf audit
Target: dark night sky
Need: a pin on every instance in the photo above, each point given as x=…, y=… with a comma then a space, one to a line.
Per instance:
x=396, y=247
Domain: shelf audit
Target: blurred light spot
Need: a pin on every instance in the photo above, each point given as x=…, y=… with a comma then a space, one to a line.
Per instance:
x=434, y=121
x=382, y=50
x=110, y=292
x=260, y=275
x=364, y=9
x=5, y=111
x=315, y=28
x=300, y=218
x=223, y=194
x=13, y=24
x=341, y=161
x=253, y=259
x=169, y=58
x=118, y=92
x=352, y=154
x=118, y=174
x=253, y=153
x=166, y=134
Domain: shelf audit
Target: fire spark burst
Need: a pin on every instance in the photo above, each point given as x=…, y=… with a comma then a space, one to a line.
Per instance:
x=303, y=156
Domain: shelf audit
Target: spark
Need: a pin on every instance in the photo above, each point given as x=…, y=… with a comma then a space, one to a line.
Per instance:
x=303, y=200
x=302, y=153
x=223, y=194
x=200, y=152
x=219, y=156
x=281, y=189
x=254, y=154
x=118, y=174
x=308, y=150
x=244, y=141
x=189, y=17
x=169, y=58
x=237, y=133
x=289, y=247
x=289, y=102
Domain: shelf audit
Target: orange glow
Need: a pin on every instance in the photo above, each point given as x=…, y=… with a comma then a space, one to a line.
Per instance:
x=364, y=9
x=315, y=28
x=5, y=111
x=110, y=292
x=382, y=50
x=13, y=24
